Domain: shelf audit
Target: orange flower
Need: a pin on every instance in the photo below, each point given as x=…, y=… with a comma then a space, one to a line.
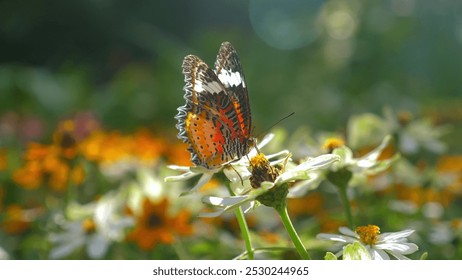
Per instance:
x=419, y=195
x=452, y=166
x=29, y=176
x=16, y=220
x=146, y=147
x=78, y=174
x=109, y=147
x=270, y=237
x=64, y=138
x=311, y=204
x=155, y=225
x=36, y=151
x=329, y=224
x=92, y=146
x=46, y=164
x=177, y=154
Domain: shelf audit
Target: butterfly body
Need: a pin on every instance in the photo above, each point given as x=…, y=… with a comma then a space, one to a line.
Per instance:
x=215, y=121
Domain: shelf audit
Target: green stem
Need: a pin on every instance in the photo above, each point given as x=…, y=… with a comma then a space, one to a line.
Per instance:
x=282, y=211
x=346, y=205
x=244, y=232
x=341, y=178
x=244, y=229
x=264, y=250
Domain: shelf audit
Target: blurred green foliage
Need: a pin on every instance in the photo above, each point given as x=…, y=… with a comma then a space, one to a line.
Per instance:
x=122, y=60
x=324, y=60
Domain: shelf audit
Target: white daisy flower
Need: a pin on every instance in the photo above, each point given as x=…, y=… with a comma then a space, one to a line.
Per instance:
x=77, y=234
x=414, y=134
x=207, y=174
x=359, y=168
x=368, y=164
x=379, y=246
x=266, y=179
x=96, y=226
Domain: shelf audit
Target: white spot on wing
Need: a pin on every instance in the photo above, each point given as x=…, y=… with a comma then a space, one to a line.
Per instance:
x=198, y=86
x=230, y=78
x=214, y=87
x=211, y=87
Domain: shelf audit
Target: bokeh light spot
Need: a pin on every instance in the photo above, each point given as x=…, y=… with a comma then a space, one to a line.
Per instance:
x=286, y=25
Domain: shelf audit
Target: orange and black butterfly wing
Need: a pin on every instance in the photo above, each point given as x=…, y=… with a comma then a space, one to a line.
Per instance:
x=207, y=122
x=229, y=70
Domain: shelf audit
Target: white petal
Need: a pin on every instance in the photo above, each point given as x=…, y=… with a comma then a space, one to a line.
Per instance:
x=200, y=169
x=291, y=175
x=265, y=185
x=349, y=232
x=378, y=254
x=223, y=201
x=182, y=177
x=345, y=154
x=97, y=246
x=374, y=167
x=403, y=248
x=179, y=168
x=336, y=237
x=65, y=249
x=397, y=255
x=268, y=137
x=374, y=154
x=211, y=214
x=318, y=162
x=283, y=154
x=73, y=231
x=237, y=173
x=393, y=236
x=365, y=164
x=300, y=188
x=303, y=171
x=246, y=208
x=202, y=181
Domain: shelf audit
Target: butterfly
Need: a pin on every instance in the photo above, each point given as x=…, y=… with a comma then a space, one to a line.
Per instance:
x=215, y=122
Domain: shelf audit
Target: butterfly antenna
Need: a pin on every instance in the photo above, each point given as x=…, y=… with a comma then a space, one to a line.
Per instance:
x=242, y=181
x=254, y=143
x=279, y=121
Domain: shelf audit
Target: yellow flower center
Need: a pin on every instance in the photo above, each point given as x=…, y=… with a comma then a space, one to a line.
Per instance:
x=262, y=171
x=404, y=117
x=332, y=143
x=368, y=234
x=259, y=161
x=89, y=225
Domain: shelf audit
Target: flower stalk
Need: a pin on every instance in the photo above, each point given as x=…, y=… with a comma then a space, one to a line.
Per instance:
x=245, y=232
x=340, y=179
x=244, y=228
x=282, y=211
x=276, y=198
